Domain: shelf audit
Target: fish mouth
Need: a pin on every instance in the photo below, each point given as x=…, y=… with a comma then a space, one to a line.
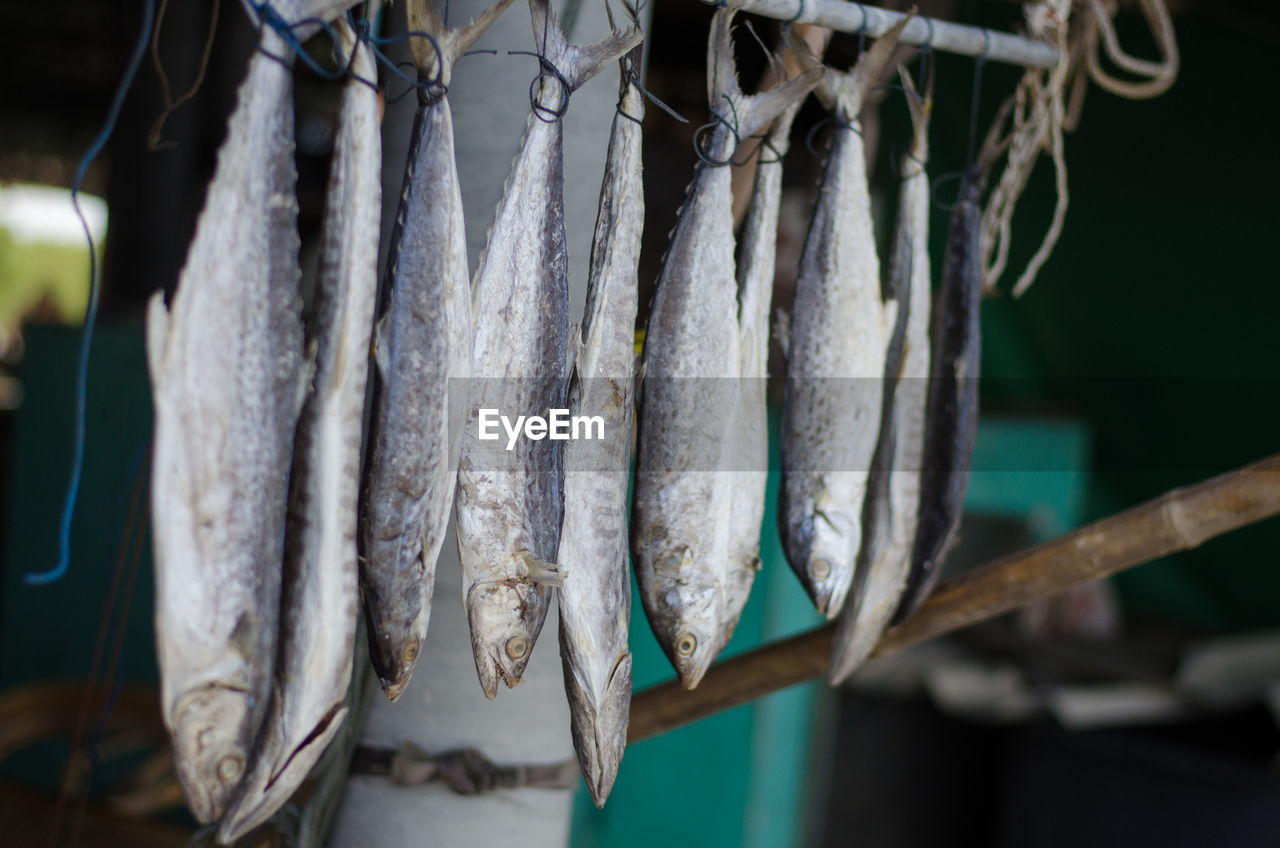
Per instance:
x=502, y=632
x=492, y=670
x=691, y=669
x=394, y=665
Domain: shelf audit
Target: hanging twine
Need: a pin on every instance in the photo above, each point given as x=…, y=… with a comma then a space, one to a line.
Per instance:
x=1047, y=103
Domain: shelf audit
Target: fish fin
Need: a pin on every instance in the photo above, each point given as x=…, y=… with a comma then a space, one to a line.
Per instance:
x=539, y=570
x=847, y=90
x=782, y=331
x=452, y=42
x=157, y=335
x=576, y=63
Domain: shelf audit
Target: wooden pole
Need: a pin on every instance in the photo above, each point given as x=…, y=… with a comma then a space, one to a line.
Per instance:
x=1176, y=521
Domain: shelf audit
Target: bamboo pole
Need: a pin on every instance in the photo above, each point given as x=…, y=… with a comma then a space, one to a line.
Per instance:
x=1176, y=521
x=843, y=16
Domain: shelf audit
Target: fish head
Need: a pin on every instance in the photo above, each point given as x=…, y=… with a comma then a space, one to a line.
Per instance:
x=212, y=728
x=395, y=643
x=397, y=613
x=821, y=554
x=686, y=612
x=599, y=723
x=280, y=767
x=505, y=618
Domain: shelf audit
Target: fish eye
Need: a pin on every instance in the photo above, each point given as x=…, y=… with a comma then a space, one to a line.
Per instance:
x=411, y=652
x=686, y=644
x=820, y=569
x=230, y=768
x=517, y=647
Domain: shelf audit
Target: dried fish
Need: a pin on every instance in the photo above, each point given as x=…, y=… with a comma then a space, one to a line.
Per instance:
x=756, y=262
x=319, y=595
x=227, y=378
x=839, y=336
x=510, y=503
x=422, y=351
x=951, y=419
x=683, y=501
x=889, y=515
x=595, y=597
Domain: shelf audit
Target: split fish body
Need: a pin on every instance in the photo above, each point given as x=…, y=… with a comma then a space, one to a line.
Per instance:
x=682, y=512
x=839, y=336
x=422, y=353
x=226, y=369
x=510, y=503
x=951, y=418
x=595, y=596
x=319, y=597
x=889, y=516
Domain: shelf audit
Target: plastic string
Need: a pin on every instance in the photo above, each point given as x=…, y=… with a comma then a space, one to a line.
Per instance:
x=91, y=312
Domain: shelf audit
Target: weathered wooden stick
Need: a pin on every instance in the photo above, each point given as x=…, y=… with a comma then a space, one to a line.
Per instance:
x=1176, y=521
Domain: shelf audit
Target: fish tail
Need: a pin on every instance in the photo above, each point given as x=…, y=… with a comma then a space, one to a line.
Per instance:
x=919, y=106
x=576, y=63
x=849, y=90
x=757, y=112
x=722, y=70
x=451, y=42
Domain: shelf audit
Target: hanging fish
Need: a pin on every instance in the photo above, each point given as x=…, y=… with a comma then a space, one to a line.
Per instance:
x=228, y=380
x=839, y=335
x=422, y=349
x=951, y=418
x=319, y=594
x=756, y=262
x=510, y=503
x=889, y=514
x=682, y=511
x=595, y=596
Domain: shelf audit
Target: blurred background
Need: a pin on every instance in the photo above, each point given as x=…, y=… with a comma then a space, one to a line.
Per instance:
x=1145, y=357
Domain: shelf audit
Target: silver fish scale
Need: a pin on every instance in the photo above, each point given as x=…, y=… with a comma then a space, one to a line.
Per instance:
x=831, y=418
x=595, y=597
x=319, y=603
x=423, y=359
x=682, y=501
x=225, y=365
x=510, y=503
x=755, y=279
x=890, y=521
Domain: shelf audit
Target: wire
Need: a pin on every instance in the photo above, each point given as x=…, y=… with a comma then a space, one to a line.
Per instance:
x=91, y=312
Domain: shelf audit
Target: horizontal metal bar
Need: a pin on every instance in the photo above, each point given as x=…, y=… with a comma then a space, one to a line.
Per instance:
x=945, y=36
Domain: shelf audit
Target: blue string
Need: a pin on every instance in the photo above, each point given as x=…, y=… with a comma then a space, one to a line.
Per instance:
x=91, y=312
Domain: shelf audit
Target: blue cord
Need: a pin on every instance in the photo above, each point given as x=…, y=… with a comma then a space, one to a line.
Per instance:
x=91, y=313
